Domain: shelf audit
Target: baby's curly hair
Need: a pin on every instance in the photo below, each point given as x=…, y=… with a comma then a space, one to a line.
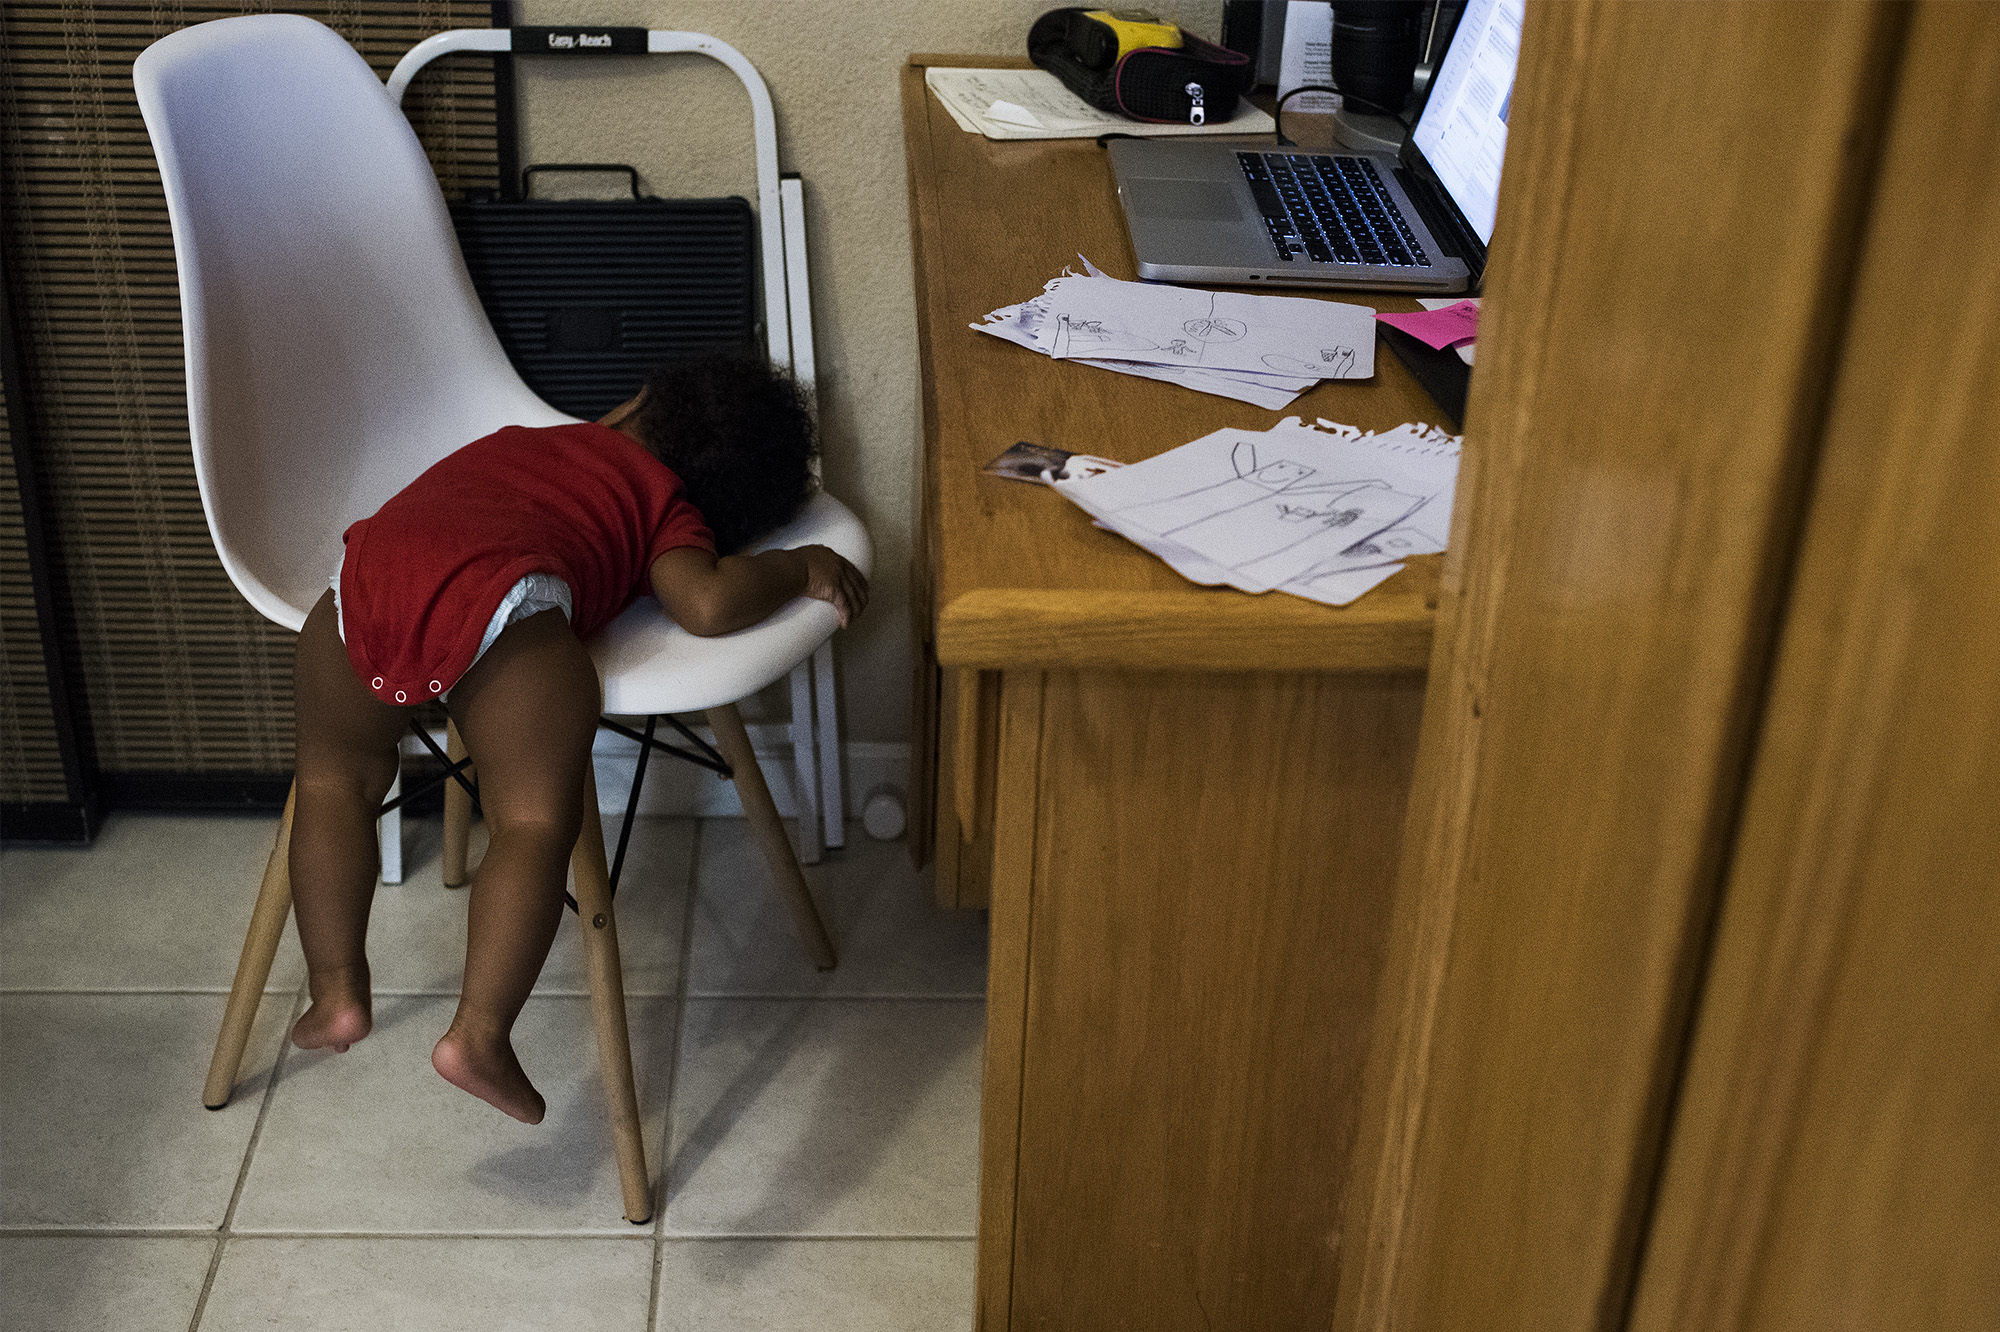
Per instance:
x=739, y=434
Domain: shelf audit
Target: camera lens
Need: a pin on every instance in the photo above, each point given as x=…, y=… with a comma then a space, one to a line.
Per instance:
x=1375, y=52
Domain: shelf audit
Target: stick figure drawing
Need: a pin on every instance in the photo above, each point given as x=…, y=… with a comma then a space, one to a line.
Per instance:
x=1214, y=330
x=1264, y=509
x=1333, y=363
x=1090, y=337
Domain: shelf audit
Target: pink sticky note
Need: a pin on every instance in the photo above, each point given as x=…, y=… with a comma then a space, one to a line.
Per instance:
x=1439, y=328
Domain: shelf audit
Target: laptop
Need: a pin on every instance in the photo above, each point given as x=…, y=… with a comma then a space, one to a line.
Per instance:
x=1419, y=221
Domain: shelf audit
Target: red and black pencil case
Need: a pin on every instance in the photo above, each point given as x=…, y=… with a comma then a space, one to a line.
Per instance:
x=1196, y=84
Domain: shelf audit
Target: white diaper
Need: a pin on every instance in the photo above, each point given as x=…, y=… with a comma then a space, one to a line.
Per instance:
x=534, y=594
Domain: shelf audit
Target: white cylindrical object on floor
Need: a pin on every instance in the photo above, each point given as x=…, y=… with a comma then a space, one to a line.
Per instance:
x=882, y=814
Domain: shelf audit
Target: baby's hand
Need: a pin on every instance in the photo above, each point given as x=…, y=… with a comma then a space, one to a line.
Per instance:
x=829, y=577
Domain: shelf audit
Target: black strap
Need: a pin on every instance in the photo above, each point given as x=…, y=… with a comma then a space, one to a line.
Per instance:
x=527, y=182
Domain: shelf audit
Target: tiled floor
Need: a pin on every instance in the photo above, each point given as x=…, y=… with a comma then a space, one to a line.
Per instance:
x=812, y=1136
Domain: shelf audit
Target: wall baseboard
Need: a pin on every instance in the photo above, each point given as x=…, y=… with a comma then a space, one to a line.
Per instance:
x=61, y=821
x=677, y=789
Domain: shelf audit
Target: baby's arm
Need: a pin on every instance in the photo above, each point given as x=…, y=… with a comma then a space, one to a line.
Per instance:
x=707, y=596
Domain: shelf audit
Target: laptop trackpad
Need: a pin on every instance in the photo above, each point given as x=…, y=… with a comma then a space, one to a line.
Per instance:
x=1184, y=200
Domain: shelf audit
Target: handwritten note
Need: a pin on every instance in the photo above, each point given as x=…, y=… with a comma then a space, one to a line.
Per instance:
x=1307, y=59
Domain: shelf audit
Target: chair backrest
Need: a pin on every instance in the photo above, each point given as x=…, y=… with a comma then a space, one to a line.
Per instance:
x=335, y=347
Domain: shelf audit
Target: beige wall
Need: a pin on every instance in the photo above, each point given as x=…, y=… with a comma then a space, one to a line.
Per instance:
x=685, y=123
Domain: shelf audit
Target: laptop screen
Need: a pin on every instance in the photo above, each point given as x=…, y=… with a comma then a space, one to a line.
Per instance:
x=1463, y=130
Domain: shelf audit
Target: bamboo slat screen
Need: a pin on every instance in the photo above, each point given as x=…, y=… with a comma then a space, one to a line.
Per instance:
x=31, y=767
x=180, y=677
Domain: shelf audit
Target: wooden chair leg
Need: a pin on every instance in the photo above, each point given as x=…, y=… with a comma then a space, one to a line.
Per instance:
x=730, y=738
x=607, y=1005
x=457, y=814
x=253, y=968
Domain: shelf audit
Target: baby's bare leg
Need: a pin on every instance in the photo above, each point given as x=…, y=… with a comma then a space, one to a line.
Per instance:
x=528, y=712
x=346, y=763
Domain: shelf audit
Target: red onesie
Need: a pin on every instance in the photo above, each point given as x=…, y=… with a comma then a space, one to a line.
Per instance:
x=420, y=581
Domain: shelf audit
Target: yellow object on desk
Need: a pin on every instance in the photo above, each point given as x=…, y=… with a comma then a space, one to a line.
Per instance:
x=1137, y=29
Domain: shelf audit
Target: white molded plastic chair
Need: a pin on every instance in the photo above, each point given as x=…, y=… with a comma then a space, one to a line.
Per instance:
x=815, y=724
x=335, y=349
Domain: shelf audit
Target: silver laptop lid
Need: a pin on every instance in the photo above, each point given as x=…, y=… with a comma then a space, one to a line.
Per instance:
x=1461, y=137
x=1230, y=213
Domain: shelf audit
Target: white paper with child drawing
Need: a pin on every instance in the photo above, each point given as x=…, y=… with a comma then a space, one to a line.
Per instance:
x=1322, y=514
x=1338, y=589
x=1105, y=318
x=1021, y=323
x=1260, y=511
x=1430, y=460
x=1339, y=579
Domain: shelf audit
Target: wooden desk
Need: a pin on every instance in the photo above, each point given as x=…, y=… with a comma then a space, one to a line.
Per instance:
x=1183, y=804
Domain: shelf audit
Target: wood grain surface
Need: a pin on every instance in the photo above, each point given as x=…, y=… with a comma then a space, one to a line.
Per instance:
x=1016, y=808
x=993, y=222
x=1175, y=628
x=1835, y=1161
x=967, y=759
x=1667, y=286
x=1184, y=802
x=1206, y=922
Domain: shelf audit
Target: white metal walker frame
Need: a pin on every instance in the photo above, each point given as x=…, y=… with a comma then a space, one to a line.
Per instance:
x=781, y=219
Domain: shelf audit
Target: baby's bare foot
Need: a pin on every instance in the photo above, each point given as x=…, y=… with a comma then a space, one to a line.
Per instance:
x=335, y=1022
x=340, y=1013
x=489, y=1070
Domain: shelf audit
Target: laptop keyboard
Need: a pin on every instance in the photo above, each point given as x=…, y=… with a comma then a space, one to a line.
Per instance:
x=1330, y=210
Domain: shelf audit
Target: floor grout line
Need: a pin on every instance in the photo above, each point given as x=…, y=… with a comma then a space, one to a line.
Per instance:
x=800, y=1236
x=774, y=996
x=629, y=1235
x=196, y=991
x=106, y=1232
x=249, y=1152
x=385, y=993
x=665, y=1242
x=765, y=998
x=673, y=1074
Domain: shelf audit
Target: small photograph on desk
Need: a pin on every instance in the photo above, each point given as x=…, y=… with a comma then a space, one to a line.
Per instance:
x=1028, y=462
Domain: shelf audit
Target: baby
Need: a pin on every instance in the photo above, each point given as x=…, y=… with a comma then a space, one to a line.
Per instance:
x=477, y=585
